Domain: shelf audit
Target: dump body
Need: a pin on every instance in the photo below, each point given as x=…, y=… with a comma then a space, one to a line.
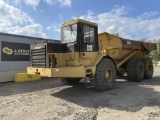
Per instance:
x=119, y=48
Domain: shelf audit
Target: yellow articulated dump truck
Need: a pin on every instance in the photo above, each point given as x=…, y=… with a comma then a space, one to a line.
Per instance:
x=83, y=53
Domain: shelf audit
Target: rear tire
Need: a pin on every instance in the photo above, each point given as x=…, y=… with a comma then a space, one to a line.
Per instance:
x=70, y=81
x=148, y=68
x=135, y=70
x=105, y=75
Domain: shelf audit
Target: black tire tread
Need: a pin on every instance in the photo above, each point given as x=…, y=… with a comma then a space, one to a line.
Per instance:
x=99, y=82
x=132, y=73
x=148, y=73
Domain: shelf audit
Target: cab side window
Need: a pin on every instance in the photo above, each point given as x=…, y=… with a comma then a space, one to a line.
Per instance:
x=89, y=34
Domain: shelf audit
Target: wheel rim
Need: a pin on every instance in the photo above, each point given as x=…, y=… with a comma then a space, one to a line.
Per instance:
x=108, y=74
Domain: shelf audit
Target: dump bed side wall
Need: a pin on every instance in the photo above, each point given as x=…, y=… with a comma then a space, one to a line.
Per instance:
x=118, y=48
x=130, y=44
x=150, y=46
x=138, y=45
x=107, y=41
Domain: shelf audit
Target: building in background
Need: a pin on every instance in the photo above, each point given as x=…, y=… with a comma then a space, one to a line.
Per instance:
x=15, y=54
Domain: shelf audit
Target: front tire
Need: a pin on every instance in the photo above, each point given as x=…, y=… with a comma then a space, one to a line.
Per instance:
x=105, y=76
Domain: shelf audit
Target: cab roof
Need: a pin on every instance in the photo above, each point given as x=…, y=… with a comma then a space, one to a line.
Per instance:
x=78, y=20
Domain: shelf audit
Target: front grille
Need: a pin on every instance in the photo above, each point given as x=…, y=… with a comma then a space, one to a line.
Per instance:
x=38, y=57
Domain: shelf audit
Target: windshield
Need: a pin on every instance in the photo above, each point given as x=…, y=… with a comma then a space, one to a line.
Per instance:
x=69, y=33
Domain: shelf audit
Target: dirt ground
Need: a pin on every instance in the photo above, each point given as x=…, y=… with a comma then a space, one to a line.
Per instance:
x=49, y=99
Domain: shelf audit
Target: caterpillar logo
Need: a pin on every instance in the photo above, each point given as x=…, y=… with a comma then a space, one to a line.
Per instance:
x=7, y=50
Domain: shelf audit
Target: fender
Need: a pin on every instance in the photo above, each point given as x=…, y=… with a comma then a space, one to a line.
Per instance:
x=98, y=58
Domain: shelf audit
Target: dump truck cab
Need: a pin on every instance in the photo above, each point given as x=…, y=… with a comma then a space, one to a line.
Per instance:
x=80, y=39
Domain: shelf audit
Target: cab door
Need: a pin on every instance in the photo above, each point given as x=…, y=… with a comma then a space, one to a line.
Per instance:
x=89, y=43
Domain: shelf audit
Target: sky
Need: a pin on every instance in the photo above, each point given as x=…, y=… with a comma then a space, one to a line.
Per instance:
x=132, y=19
